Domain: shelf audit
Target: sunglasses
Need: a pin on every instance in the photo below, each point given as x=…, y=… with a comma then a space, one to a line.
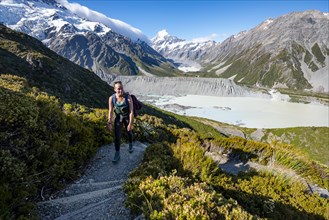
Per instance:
x=117, y=82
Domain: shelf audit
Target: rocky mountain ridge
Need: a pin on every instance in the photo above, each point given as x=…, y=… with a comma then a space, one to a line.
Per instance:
x=188, y=55
x=90, y=44
x=291, y=51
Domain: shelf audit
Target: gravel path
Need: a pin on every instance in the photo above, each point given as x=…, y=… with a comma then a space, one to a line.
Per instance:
x=98, y=194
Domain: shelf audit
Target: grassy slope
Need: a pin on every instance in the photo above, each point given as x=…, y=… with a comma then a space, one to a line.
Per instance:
x=25, y=56
x=313, y=141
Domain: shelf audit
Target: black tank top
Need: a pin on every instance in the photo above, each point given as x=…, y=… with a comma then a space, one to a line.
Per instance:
x=121, y=108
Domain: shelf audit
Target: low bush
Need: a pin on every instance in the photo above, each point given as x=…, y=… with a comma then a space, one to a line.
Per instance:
x=42, y=148
x=177, y=181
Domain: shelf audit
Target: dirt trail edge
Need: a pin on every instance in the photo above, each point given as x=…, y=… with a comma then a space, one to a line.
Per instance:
x=98, y=193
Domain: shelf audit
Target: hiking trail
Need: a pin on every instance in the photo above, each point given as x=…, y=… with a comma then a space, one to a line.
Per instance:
x=98, y=194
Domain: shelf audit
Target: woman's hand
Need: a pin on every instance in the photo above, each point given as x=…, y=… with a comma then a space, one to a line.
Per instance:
x=129, y=127
x=109, y=126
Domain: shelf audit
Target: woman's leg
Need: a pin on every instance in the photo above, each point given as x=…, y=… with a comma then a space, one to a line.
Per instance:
x=117, y=133
x=129, y=133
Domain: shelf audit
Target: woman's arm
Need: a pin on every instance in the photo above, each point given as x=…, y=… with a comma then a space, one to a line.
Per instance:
x=131, y=113
x=109, y=121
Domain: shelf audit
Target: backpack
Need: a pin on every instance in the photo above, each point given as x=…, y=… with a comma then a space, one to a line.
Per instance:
x=136, y=103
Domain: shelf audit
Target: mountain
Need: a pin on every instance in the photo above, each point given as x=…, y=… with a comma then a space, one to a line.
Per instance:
x=92, y=44
x=188, y=55
x=291, y=51
x=25, y=56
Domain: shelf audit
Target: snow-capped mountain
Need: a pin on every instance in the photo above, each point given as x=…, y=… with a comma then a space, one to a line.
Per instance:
x=291, y=51
x=84, y=36
x=36, y=15
x=188, y=55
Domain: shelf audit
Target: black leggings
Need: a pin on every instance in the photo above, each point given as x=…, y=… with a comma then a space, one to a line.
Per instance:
x=118, y=131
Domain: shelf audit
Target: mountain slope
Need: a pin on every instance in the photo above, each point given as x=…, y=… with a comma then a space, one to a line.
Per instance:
x=91, y=44
x=25, y=56
x=188, y=55
x=291, y=51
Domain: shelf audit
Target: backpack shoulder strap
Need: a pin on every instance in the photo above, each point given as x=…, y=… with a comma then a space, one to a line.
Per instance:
x=127, y=99
x=114, y=99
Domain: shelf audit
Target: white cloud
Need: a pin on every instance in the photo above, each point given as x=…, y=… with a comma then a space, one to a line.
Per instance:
x=116, y=25
x=204, y=39
x=223, y=37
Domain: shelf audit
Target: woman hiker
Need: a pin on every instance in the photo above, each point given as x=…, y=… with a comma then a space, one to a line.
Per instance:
x=121, y=104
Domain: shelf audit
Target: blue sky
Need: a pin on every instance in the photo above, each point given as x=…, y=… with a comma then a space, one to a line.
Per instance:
x=195, y=18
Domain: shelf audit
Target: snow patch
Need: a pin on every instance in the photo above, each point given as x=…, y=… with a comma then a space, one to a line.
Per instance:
x=240, y=34
x=161, y=35
x=277, y=96
x=189, y=68
x=265, y=24
x=59, y=23
x=87, y=25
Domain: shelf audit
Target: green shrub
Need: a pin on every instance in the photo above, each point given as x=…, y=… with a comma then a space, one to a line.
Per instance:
x=41, y=147
x=177, y=181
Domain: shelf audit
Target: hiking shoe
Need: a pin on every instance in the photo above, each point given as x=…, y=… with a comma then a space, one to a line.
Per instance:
x=116, y=157
x=131, y=148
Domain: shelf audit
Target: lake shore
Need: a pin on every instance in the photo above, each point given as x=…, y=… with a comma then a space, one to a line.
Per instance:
x=252, y=112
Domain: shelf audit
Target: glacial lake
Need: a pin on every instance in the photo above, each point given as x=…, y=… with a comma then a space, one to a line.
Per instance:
x=251, y=112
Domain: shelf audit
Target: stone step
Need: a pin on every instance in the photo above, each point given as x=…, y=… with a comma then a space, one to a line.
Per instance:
x=90, y=186
x=85, y=211
x=60, y=206
x=100, y=210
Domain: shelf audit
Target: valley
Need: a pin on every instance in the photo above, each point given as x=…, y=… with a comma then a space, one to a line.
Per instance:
x=231, y=130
